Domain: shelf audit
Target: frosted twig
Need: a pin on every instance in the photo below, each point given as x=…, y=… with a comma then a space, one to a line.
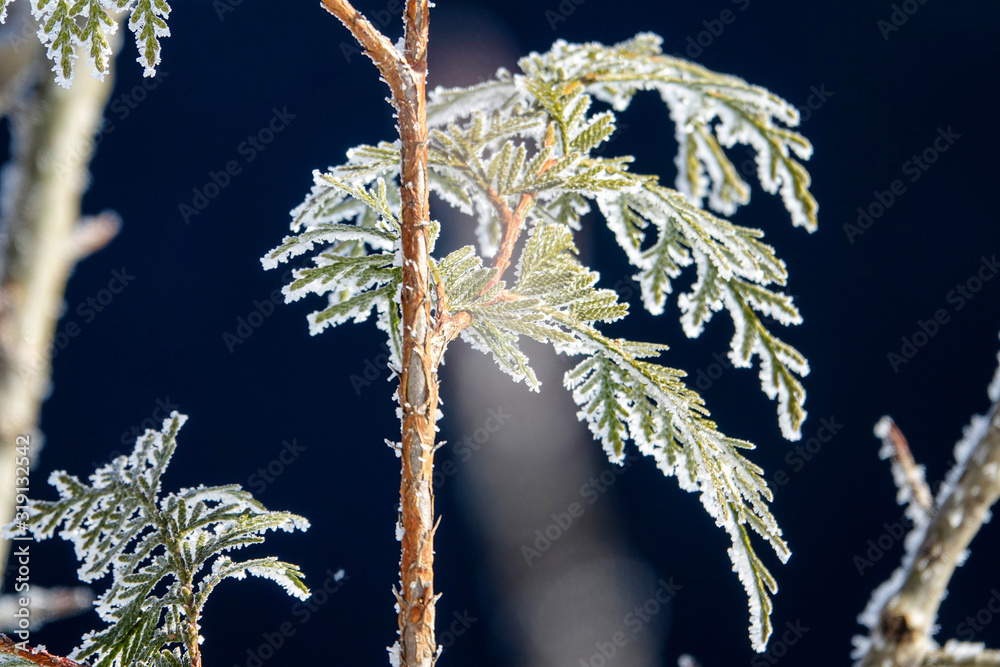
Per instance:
x=94, y=232
x=902, y=625
x=908, y=475
x=36, y=656
x=963, y=654
x=406, y=75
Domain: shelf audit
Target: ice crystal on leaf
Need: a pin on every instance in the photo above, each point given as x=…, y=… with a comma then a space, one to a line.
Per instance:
x=518, y=152
x=157, y=548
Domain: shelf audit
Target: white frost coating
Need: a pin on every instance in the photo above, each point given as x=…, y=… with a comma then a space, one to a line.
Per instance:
x=395, y=658
x=280, y=578
x=994, y=389
x=904, y=487
x=963, y=651
x=653, y=423
x=972, y=435
x=881, y=430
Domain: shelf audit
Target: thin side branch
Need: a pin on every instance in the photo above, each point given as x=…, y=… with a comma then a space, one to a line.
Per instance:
x=901, y=635
x=512, y=221
x=908, y=472
x=35, y=656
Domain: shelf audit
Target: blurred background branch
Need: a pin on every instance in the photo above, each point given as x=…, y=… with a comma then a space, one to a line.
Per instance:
x=42, y=235
x=903, y=612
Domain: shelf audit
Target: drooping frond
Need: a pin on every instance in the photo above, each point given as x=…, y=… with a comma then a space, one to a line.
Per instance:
x=734, y=270
x=157, y=549
x=623, y=397
x=66, y=25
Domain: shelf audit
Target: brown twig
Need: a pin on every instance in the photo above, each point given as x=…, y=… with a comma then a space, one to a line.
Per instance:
x=423, y=344
x=902, y=456
x=512, y=221
x=35, y=656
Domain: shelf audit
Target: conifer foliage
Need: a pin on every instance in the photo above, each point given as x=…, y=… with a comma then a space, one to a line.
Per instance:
x=518, y=152
x=157, y=548
x=65, y=25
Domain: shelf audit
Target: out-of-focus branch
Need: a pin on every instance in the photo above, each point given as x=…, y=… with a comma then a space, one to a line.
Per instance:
x=903, y=610
x=53, y=133
x=19, y=47
x=908, y=475
x=47, y=605
x=963, y=654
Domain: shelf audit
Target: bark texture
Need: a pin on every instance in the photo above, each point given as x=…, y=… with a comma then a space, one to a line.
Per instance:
x=423, y=342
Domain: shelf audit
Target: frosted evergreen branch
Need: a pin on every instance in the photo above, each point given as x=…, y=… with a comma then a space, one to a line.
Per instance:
x=734, y=270
x=518, y=154
x=710, y=111
x=902, y=612
x=779, y=361
x=355, y=279
x=156, y=548
x=65, y=25
x=623, y=398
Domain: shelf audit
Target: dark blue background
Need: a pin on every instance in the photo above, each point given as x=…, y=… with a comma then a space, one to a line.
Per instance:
x=224, y=72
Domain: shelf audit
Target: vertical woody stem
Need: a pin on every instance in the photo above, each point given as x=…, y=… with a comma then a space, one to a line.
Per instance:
x=418, y=392
x=422, y=345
